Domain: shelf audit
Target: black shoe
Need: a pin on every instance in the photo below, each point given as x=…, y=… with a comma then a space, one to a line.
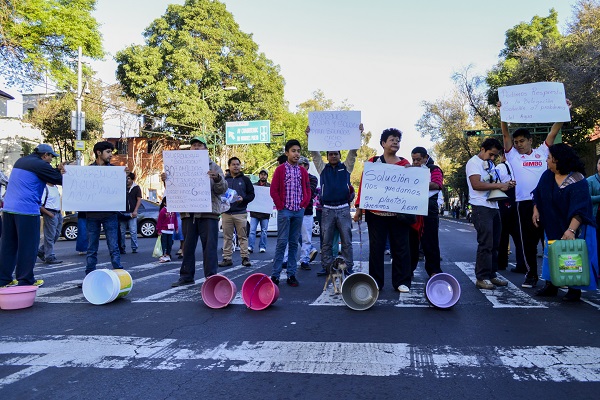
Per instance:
x=41, y=255
x=518, y=270
x=322, y=272
x=181, y=282
x=572, y=295
x=180, y=256
x=275, y=280
x=284, y=265
x=530, y=282
x=246, y=262
x=292, y=281
x=547, y=291
x=53, y=261
x=134, y=251
x=305, y=266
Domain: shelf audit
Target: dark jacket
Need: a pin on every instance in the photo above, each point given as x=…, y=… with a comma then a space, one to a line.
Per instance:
x=313, y=192
x=335, y=185
x=259, y=215
x=27, y=182
x=243, y=186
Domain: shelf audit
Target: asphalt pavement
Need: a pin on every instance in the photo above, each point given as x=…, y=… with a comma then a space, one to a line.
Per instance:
x=161, y=342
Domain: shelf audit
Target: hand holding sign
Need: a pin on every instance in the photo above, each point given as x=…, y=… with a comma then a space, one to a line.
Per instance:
x=534, y=102
x=333, y=130
x=188, y=180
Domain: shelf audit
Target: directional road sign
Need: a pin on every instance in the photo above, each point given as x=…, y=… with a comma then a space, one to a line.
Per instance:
x=248, y=132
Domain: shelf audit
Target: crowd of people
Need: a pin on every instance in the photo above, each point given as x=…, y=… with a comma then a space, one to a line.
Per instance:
x=546, y=198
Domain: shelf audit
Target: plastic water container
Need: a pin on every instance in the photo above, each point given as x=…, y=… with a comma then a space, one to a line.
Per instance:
x=569, y=263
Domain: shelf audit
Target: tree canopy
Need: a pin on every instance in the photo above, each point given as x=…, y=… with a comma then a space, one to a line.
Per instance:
x=40, y=37
x=192, y=55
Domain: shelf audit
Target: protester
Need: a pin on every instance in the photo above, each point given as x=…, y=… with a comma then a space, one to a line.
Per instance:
x=563, y=208
x=178, y=236
x=204, y=225
x=98, y=220
x=290, y=191
x=128, y=220
x=308, y=251
x=429, y=238
x=166, y=226
x=383, y=223
x=257, y=218
x=52, y=217
x=335, y=195
x=236, y=216
x=21, y=215
x=528, y=166
x=594, y=186
x=486, y=216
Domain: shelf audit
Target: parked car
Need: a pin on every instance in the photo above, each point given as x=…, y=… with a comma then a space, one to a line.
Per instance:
x=146, y=219
x=316, y=230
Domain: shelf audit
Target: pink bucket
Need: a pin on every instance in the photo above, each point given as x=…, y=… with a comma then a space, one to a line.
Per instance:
x=259, y=292
x=218, y=291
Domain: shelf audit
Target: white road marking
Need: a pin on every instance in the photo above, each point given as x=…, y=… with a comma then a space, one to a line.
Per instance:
x=464, y=230
x=521, y=363
x=502, y=297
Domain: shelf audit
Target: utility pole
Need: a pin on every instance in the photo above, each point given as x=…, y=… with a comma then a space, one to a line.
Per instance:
x=78, y=117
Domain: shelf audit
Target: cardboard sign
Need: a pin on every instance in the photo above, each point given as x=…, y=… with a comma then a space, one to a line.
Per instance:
x=188, y=187
x=392, y=188
x=534, y=102
x=334, y=130
x=94, y=188
x=262, y=200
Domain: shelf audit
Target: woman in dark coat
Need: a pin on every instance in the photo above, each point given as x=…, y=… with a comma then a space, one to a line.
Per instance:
x=563, y=207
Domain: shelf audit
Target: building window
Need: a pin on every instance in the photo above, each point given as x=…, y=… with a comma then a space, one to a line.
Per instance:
x=152, y=195
x=122, y=147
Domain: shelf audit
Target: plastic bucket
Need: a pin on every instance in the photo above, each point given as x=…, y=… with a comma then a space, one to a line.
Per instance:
x=360, y=291
x=218, y=291
x=105, y=285
x=259, y=292
x=17, y=297
x=442, y=290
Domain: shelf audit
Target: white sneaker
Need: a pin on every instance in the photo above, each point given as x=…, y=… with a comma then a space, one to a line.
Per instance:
x=387, y=252
x=162, y=259
x=263, y=250
x=403, y=289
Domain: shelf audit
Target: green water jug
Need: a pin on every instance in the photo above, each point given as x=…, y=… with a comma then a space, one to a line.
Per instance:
x=569, y=263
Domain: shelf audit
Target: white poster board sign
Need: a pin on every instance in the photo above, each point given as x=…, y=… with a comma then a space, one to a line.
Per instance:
x=262, y=200
x=534, y=102
x=334, y=130
x=94, y=188
x=187, y=184
x=388, y=187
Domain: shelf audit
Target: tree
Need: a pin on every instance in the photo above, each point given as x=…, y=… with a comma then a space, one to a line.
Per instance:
x=39, y=37
x=192, y=53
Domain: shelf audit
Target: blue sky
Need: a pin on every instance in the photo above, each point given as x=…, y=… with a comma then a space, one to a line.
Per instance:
x=384, y=56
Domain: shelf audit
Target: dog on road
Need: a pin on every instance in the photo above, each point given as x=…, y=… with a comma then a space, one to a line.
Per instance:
x=336, y=275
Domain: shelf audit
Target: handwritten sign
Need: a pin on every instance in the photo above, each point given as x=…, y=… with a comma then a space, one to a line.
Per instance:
x=534, y=102
x=387, y=187
x=94, y=188
x=334, y=130
x=187, y=184
x=262, y=200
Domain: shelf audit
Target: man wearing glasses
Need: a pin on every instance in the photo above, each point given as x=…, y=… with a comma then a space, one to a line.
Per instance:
x=481, y=179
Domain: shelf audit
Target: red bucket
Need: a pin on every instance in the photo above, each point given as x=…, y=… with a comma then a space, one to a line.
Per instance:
x=259, y=292
x=218, y=291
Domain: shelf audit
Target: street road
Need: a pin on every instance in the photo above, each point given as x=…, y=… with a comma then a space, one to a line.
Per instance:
x=164, y=343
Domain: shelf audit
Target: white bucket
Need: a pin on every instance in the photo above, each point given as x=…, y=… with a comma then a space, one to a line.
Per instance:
x=105, y=285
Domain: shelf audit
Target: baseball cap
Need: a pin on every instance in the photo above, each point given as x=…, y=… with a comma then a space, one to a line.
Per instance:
x=200, y=139
x=303, y=160
x=45, y=148
x=263, y=171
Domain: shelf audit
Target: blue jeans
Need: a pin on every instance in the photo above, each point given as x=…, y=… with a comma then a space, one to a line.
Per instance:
x=82, y=238
x=264, y=225
x=307, y=246
x=111, y=226
x=289, y=224
x=132, y=225
x=166, y=240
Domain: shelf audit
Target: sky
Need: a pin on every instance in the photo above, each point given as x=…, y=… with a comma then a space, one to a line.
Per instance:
x=385, y=57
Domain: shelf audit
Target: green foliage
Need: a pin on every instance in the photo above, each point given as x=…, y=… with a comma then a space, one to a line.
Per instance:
x=530, y=35
x=42, y=36
x=191, y=54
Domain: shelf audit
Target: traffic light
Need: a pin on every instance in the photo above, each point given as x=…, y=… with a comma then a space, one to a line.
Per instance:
x=473, y=133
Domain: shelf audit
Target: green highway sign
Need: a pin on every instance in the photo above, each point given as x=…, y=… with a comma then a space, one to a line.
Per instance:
x=248, y=132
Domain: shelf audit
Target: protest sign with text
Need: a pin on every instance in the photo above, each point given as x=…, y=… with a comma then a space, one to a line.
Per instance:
x=388, y=187
x=534, y=102
x=334, y=130
x=262, y=200
x=187, y=184
x=94, y=188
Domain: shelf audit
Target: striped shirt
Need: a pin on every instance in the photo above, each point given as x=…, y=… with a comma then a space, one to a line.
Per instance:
x=293, y=187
